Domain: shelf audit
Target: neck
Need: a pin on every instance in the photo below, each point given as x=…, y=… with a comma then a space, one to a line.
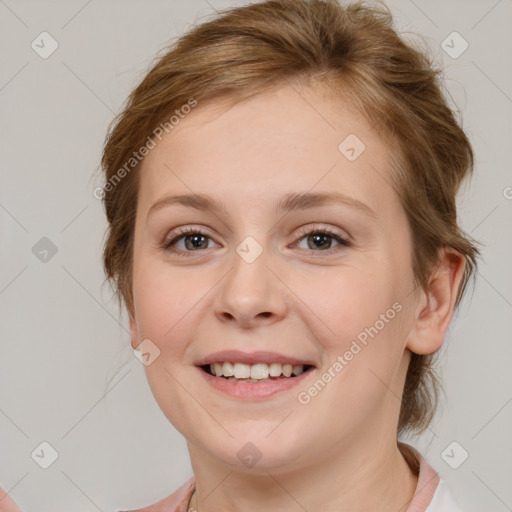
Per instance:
x=367, y=477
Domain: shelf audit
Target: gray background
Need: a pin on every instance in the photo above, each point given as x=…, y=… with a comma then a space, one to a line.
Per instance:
x=67, y=375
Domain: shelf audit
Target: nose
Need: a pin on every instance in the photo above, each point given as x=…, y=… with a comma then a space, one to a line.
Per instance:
x=251, y=294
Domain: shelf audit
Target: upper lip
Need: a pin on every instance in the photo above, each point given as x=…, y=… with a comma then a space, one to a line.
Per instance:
x=237, y=356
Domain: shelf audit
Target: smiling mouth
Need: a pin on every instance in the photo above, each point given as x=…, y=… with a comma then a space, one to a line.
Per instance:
x=260, y=372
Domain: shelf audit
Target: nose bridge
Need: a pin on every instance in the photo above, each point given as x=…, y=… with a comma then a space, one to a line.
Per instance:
x=250, y=292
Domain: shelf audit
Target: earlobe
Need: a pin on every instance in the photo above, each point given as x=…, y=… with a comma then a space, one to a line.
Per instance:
x=436, y=311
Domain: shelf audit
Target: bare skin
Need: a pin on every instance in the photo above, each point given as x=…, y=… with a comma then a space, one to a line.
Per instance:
x=339, y=451
x=310, y=300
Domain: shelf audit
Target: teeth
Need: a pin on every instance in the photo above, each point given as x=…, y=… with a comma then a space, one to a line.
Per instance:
x=256, y=372
x=275, y=369
x=218, y=368
x=297, y=369
x=249, y=380
x=287, y=370
x=227, y=370
x=240, y=371
x=259, y=371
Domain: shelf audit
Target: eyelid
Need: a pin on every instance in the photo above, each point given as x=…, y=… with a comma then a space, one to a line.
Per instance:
x=322, y=228
x=180, y=232
x=343, y=239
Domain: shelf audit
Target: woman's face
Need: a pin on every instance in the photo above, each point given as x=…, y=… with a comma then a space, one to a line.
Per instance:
x=279, y=273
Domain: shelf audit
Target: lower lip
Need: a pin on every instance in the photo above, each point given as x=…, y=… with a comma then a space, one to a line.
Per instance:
x=249, y=390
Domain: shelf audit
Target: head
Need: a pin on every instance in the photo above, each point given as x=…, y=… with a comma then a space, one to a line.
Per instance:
x=253, y=115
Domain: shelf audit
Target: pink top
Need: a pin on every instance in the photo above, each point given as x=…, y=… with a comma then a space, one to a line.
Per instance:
x=431, y=493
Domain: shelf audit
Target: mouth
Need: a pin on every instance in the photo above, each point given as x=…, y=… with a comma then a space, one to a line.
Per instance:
x=252, y=376
x=255, y=373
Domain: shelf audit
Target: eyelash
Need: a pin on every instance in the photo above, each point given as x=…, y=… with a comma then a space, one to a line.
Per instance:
x=183, y=232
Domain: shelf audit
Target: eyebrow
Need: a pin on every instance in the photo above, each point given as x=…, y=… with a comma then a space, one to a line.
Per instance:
x=294, y=201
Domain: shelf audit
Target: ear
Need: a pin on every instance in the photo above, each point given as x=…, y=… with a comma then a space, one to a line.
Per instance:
x=436, y=305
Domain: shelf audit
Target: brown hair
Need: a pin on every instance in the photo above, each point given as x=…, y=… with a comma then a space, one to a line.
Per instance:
x=355, y=51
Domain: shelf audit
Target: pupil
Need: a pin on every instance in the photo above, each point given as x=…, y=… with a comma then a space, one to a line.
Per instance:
x=321, y=239
x=197, y=241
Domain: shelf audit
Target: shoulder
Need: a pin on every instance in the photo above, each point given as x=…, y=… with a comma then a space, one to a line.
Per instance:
x=432, y=493
x=443, y=500
x=176, y=502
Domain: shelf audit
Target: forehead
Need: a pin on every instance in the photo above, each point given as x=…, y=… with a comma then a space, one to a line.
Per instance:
x=288, y=139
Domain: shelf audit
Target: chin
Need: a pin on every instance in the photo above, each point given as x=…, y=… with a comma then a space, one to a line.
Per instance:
x=258, y=452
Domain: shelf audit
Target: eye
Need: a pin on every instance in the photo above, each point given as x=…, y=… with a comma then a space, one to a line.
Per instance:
x=320, y=239
x=191, y=239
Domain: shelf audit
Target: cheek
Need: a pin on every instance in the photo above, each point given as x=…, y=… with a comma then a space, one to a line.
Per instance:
x=164, y=298
x=166, y=303
x=363, y=327
x=373, y=318
x=348, y=300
